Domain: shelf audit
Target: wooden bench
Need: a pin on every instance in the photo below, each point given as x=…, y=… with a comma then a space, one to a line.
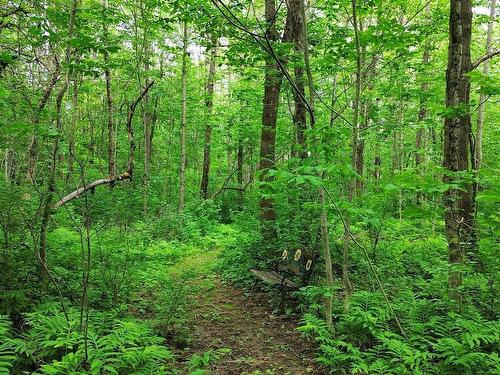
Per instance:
x=290, y=272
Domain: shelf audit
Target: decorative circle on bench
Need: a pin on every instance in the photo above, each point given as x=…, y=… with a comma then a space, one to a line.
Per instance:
x=298, y=253
x=308, y=265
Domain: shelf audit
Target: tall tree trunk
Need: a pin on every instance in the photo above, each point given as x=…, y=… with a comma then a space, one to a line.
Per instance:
x=459, y=211
x=420, y=141
x=182, y=174
x=328, y=260
x=33, y=146
x=208, y=126
x=296, y=25
x=483, y=98
x=377, y=162
x=72, y=130
x=51, y=182
x=111, y=123
x=51, y=186
x=109, y=103
x=322, y=201
x=240, y=173
x=354, y=153
x=270, y=103
x=147, y=121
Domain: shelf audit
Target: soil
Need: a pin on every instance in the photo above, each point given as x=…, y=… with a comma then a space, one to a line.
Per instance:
x=259, y=342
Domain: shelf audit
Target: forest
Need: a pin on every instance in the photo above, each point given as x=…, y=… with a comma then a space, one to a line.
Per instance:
x=266, y=187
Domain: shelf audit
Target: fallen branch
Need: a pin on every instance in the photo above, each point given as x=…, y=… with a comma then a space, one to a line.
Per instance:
x=77, y=193
x=130, y=162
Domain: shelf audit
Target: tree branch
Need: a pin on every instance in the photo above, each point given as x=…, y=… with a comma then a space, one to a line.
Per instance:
x=483, y=58
x=112, y=179
x=130, y=129
x=80, y=191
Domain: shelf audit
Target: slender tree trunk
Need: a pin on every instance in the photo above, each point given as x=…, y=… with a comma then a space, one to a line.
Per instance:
x=483, y=98
x=459, y=211
x=33, y=146
x=356, y=102
x=328, y=259
x=147, y=120
x=377, y=162
x=182, y=174
x=51, y=186
x=10, y=165
x=272, y=86
x=296, y=35
x=354, y=151
x=109, y=103
x=240, y=173
x=73, y=128
x=208, y=126
x=334, y=99
x=111, y=123
x=420, y=139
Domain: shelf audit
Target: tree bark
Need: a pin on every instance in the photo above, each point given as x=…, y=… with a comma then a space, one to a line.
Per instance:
x=109, y=104
x=182, y=173
x=51, y=186
x=420, y=139
x=354, y=154
x=272, y=86
x=296, y=25
x=72, y=130
x=147, y=120
x=33, y=146
x=459, y=211
x=208, y=126
x=483, y=98
x=240, y=173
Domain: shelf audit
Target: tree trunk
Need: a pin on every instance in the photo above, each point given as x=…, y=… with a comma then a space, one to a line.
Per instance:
x=51, y=186
x=208, y=126
x=72, y=130
x=10, y=165
x=323, y=213
x=296, y=25
x=459, y=211
x=483, y=98
x=270, y=103
x=147, y=121
x=420, y=141
x=354, y=154
x=240, y=173
x=182, y=174
x=109, y=102
x=33, y=146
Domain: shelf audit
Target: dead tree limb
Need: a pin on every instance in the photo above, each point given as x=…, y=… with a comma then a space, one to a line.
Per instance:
x=130, y=162
x=82, y=190
x=130, y=129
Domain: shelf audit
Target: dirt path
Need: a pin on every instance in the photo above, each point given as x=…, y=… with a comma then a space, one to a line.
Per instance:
x=260, y=343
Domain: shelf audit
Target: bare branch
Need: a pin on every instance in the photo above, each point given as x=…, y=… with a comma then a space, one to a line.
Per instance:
x=483, y=58
x=82, y=190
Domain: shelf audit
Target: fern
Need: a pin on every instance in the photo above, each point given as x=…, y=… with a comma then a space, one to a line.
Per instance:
x=8, y=346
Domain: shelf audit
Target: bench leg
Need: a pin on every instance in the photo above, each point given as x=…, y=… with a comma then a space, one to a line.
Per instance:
x=252, y=290
x=281, y=306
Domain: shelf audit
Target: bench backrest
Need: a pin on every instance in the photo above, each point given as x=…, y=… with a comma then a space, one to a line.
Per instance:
x=297, y=262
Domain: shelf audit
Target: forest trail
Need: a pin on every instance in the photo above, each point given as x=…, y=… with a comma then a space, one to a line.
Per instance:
x=259, y=342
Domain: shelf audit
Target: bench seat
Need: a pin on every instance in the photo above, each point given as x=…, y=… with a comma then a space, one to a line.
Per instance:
x=274, y=278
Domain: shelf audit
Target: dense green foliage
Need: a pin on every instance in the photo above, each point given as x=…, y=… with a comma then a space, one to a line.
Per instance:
x=134, y=93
